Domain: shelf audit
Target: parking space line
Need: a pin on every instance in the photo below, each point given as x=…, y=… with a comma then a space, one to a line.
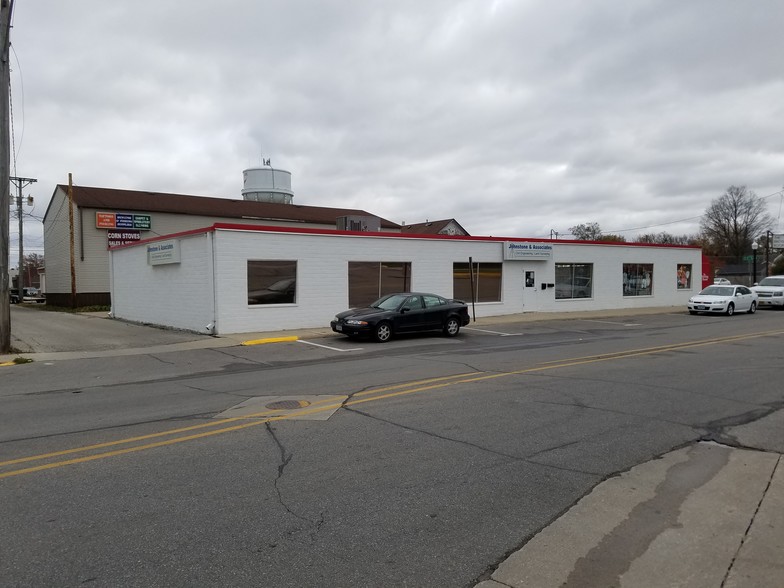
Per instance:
x=491, y=332
x=328, y=347
x=613, y=323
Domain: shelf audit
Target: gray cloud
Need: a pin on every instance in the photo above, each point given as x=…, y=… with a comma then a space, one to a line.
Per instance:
x=513, y=117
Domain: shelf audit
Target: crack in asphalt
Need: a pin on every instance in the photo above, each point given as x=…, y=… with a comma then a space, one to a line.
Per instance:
x=495, y=452
x=285, y=459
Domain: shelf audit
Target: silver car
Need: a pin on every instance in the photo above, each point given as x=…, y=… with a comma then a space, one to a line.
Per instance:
x=724, y=299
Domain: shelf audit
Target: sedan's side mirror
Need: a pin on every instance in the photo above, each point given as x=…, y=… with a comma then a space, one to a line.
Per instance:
x=404, y=309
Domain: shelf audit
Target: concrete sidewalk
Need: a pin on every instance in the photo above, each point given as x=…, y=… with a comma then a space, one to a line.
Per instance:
x=706, y=515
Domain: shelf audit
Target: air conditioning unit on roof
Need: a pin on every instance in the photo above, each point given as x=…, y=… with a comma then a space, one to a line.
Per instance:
x=359, y=223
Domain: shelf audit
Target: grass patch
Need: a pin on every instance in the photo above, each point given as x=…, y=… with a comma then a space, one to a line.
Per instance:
x=18, y=360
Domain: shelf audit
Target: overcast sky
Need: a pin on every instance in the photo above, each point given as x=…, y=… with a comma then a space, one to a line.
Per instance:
x=514, y=117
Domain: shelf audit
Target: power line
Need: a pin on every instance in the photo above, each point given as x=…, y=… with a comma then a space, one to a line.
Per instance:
x=683, y=220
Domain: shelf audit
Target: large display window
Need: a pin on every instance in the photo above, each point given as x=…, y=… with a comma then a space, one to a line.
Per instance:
x=370, y=280
x=487, y=282
x=272, y=282
x=573, y=280
x=637, y=279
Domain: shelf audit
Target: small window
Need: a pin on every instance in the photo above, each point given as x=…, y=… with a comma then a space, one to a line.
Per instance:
x=432, y=301
x=684, y=276
x=414, y=303
x=272, y=282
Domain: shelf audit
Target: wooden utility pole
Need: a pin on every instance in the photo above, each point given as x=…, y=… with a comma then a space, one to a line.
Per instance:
x=71, y=240
x=6, y=8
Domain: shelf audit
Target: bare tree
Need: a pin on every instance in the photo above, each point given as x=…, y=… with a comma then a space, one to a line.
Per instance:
x=32, y=262
x=733, y=221
x=665, y=238
x=586, y=232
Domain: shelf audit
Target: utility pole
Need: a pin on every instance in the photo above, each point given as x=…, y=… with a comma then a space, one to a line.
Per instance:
x=6, y=8
x=20, y=183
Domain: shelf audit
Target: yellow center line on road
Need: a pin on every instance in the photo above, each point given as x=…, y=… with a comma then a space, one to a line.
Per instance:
x=373, y=395
x=317, y=405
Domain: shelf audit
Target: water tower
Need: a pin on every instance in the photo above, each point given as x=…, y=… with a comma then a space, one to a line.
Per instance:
x=265, y=184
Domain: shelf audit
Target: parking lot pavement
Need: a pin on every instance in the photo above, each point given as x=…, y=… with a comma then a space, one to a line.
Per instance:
x=45, y=335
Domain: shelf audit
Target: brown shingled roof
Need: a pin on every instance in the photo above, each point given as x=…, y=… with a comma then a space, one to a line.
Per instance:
x=430, y=227
x=134, y=200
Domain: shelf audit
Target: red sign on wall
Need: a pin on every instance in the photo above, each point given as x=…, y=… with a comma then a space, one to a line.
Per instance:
x=104, y=220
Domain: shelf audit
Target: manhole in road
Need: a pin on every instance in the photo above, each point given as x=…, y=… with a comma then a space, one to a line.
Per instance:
x=287, y=404
x=300, y=407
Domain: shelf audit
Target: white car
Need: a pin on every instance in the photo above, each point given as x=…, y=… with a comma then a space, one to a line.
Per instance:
x=770, y=291
x=724, y=299
x=721, y=281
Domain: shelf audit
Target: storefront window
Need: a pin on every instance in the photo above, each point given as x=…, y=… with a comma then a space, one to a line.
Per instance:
x=684, y=276
x=573, y=280
x=272, y=282
x=637, y=279
x=370, y=280
x=487, y=282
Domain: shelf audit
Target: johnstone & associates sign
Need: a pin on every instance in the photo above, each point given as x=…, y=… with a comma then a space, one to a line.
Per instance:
x=163, y=252
x=524, y=250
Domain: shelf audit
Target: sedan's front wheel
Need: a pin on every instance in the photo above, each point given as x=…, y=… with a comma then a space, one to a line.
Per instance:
x=451, y=327
x=730, y=309
x=753, y=308
x=383, y=332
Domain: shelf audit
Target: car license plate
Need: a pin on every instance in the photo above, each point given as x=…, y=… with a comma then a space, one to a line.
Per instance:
x=701, y=307
x=338, y=327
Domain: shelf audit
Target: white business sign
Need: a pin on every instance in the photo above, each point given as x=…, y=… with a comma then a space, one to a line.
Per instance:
x=527, y=250
x=778, y=241
x=163, y=252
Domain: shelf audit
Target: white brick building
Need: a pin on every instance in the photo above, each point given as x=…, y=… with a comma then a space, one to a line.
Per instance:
x=231, y=278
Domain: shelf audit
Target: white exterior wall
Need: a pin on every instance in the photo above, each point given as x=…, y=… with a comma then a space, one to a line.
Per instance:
x=57, y=248
x=183, y=292
x=178, y=295
x=322, y=273
x=607, y=279
x=91, y=258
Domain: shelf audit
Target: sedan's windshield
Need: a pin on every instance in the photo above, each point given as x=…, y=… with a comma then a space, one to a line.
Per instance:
x=772, y=282
x=718, y=291
x=390, y=302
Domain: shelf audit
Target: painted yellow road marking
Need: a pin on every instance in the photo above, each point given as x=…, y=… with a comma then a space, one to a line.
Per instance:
x=269, y=340
x=373, y=395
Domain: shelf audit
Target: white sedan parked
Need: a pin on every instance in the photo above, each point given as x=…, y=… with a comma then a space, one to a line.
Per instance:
x=724, y=299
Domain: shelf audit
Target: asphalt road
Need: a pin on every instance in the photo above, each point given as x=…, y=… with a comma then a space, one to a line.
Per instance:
x=431, y=461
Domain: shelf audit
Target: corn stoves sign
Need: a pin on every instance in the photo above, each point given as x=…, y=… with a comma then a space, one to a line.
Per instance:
x=117, y=237
x=525, y=250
